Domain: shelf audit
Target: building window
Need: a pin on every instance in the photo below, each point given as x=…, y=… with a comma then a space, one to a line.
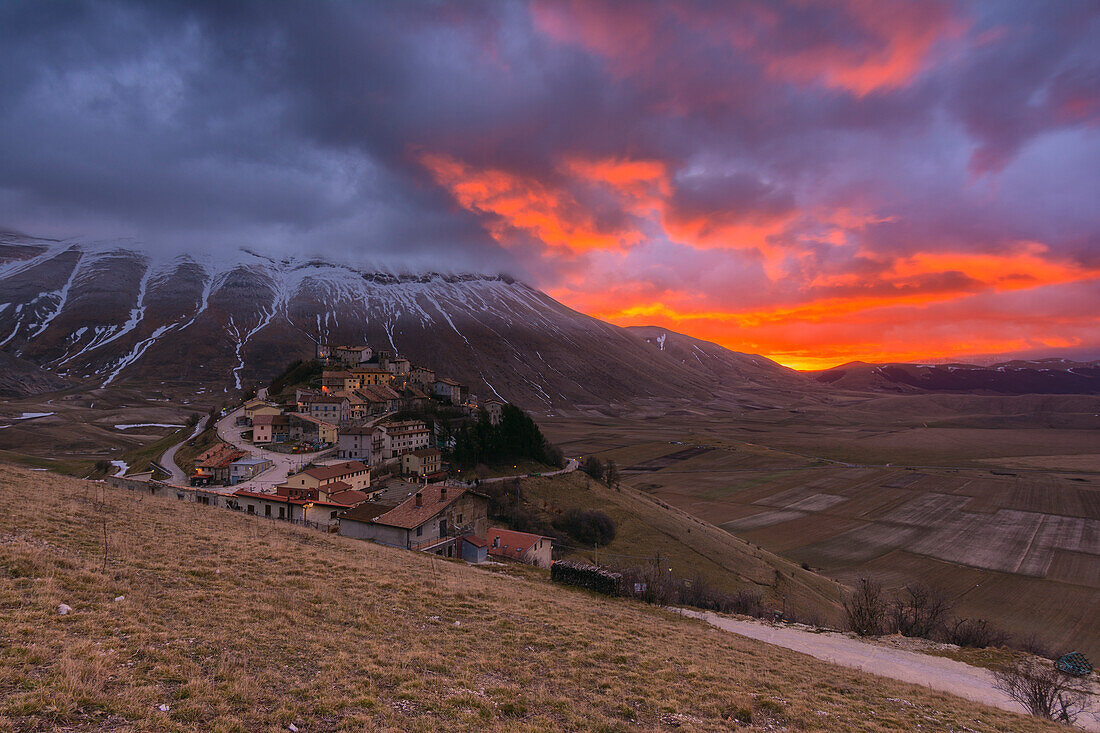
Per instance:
x=267, y=510
x=282, y=513
x=419, y=531
x=251, y=508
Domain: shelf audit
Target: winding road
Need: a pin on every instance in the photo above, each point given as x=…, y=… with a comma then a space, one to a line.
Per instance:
x=937, y=673
x=168, y=458
x=285, y=463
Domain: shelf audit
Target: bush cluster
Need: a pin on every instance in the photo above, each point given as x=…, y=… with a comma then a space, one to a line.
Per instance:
x=918, y=611
x=651, y=584
x=587, y=526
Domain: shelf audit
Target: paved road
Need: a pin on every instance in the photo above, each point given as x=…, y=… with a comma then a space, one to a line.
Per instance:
x=573, y=465
x=285, y=463
x=937, y=673
x=168, y=458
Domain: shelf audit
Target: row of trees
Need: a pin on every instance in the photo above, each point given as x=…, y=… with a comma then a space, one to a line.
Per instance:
x=515, y=437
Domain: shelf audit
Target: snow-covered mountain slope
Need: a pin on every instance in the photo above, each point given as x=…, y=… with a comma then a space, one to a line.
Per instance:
x=106, y=314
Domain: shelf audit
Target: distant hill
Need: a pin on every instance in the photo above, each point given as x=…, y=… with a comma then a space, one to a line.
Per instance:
x=1043, y=376
x=109, y=314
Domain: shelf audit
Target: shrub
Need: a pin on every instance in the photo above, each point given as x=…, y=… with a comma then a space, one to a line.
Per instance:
x=919, y=612
x=1043, y=690
x=976, y=633
x=866, y=608
x=587, y=526
x=593, y=466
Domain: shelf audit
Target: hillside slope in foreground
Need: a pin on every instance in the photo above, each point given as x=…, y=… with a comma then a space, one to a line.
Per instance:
x=235, y=623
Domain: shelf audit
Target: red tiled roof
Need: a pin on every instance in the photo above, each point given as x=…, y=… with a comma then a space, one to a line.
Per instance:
x=270, y=420
x=324, y=473
x=512, y=543
x=475, y=541
x=408, y=515
x=350, y=497
x=427, y=452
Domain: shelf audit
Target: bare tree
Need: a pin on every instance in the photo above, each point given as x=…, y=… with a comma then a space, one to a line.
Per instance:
x=1043, y=690
x=919, y=611
x=866, y=608
x=613, y=478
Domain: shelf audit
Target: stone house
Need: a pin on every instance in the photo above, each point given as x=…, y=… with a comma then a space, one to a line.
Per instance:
x=248, y=468
x=425, y=462
x=330, y=408
x=213, y=466
x=434, y=519
x=448, y=390
x=270, y=429
x=524, y=547
x=355, y=444
x=353, y=473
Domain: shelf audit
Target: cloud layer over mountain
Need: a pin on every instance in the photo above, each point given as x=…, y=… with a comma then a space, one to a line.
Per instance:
x=812, y=181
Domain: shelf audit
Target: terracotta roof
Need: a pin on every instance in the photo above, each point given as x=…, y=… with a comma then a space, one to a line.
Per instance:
x=324, y=473
x=408, y=515
x=350, y=497
x=451, y=382
x=512, y=543
x=270, y=420
x=427, y=452
x=475, y=541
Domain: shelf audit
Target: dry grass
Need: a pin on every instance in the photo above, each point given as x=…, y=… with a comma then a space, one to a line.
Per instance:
x=647, y=527
x=240, y=624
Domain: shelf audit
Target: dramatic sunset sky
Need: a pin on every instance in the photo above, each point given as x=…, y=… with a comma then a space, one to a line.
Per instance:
x=813, y=181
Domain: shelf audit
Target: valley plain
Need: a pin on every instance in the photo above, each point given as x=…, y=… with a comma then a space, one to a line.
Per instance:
x=993, y=500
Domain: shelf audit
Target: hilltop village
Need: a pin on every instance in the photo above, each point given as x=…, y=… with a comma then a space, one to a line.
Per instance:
x=360, y=452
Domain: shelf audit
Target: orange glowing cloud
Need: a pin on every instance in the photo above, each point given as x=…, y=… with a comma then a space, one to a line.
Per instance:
x=866, y=305
x=900, y=38
x=521, y=203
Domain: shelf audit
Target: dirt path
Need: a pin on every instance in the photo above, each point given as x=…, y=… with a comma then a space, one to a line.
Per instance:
x=937, y=673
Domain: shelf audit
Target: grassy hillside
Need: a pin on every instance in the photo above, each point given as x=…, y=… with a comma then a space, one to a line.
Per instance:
x=237, y=623
x=648, y=527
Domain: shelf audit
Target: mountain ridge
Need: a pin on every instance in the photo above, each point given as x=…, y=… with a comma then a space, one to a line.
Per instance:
x=103, y=315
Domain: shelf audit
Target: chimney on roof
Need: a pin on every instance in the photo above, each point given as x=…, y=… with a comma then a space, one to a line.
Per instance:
x=443, y=493
x=419, y=499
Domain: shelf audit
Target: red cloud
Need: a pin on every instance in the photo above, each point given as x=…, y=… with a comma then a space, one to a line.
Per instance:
x=859, y=46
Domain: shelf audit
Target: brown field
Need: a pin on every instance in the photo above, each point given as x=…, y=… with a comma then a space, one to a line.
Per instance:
x=904, y=489
x=237, y=623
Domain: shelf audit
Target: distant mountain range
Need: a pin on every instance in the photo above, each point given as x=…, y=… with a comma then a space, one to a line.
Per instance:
x=103, y=315
x=1041, y=376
